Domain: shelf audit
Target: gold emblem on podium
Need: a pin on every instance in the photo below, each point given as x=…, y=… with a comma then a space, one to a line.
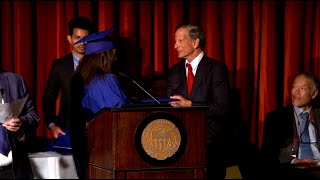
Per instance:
x=161, y=139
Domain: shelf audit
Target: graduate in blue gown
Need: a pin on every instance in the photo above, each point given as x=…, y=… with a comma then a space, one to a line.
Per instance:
x=94, y=87
x=103, y=91
x=101, y=87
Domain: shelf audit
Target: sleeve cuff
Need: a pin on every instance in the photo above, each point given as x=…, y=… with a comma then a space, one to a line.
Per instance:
x=51, y=124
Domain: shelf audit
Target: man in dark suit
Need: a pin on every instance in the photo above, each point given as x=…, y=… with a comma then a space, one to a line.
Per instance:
x=15, y=133
x=283, y=144
x=59, y=80
x=210, y=87
x=60, y=76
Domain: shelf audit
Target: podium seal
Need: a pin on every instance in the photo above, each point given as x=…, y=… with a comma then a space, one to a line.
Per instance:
x=160, y=139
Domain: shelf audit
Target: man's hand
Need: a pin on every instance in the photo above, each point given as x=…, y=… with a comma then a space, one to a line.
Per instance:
x=56, y=131
x=305, y=163
x=13, y=124
x=182, y=102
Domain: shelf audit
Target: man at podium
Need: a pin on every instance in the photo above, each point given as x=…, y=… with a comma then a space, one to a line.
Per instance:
x=200, y=80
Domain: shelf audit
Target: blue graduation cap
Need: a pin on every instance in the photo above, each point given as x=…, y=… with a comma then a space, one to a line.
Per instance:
x=97, y=42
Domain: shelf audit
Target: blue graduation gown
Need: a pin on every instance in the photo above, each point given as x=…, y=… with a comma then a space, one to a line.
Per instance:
x=101, y=93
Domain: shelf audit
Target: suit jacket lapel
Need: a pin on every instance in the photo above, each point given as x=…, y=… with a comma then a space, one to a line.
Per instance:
x=198, y=77
x=316, y=120
x=70, y=64
x=183, y=84
x=5, y=88
x=316, y=115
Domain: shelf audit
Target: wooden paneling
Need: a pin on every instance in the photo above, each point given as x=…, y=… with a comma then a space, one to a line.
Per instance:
x=111, y=138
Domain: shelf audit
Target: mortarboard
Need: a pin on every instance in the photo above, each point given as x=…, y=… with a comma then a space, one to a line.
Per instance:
x=97, y=42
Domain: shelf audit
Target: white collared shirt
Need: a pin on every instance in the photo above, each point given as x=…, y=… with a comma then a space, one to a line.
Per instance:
x=194, y=63
x=75, y=61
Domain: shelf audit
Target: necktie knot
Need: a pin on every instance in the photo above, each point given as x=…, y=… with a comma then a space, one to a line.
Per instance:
x=189, y=69
x=304, y=116
x=190, y=73
x=304, y=121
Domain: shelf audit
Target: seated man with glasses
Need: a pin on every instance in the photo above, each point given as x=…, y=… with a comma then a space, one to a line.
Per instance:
x=291, y=138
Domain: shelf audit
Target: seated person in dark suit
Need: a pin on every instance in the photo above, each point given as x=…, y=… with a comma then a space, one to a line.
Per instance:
x=291, y=138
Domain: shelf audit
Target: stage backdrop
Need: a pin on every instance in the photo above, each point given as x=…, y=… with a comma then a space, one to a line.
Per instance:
x=263, y=43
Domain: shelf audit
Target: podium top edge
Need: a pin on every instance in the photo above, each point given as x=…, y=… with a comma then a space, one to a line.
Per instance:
x=148, y=108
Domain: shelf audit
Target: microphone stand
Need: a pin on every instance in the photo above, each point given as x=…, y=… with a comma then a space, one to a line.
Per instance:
x=122, y=74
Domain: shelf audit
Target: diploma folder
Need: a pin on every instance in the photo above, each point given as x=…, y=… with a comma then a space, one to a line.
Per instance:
x=63, y=141
x=164, y=102
x=161, y=100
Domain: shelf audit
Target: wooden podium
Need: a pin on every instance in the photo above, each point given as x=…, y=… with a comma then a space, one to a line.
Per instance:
x=148, y=143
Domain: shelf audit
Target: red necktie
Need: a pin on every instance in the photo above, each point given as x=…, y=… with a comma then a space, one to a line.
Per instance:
x=190, y=78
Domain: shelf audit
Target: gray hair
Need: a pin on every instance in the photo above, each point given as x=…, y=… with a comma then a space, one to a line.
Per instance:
x=194, y=32
x=311, y=76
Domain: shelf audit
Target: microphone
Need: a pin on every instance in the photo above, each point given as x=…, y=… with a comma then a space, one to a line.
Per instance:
x=124, y=75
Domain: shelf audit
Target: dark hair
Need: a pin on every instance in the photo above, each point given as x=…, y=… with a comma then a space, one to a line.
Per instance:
x=194, y=33
x=97, y=64
x=82, y=23
x=311, y=76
